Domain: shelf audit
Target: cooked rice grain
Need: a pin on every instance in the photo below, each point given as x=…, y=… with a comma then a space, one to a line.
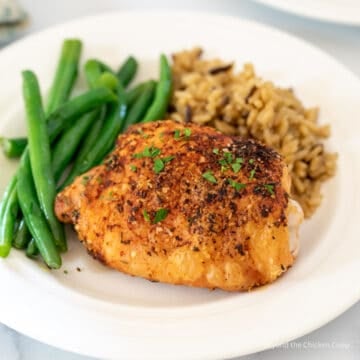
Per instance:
x=209, y=92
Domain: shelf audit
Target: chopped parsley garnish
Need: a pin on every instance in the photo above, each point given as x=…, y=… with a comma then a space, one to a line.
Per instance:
x=237, y=186
x=149, y=151
x=187, y=132
x=224, y=165
x=228, y=157
x=160, y=215
x=146, y=215
x=85, y=179
x=177, y=134
x=186, y=135
x=143, y=135
x=152, y=151
x=228, y=161
x=158, y=165
x=236, y=167
x=252, y=174
x=251, y=161
x=133, y=168
x=168, y=158
x=208, y=175
x=269, y=188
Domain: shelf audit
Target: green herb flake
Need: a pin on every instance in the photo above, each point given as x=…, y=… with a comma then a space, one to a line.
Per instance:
x=186, y=135
x=239, y=160
x=143, y=135
x=187, y=132
x=153, y=151
x=237, y=186
x=236, y=167
x=146, y=215
x=251, y=161
x=208, y=175
x=167, y=159
x=224, y=165
x=228, y=157
x=252, y=174
x=66, y=272
x=216, y=151
x=138, y=155
x=85, y=179
x=133, y=168
x=160, y=215
x=269, y=188
x=158, y=165
x=149, y=151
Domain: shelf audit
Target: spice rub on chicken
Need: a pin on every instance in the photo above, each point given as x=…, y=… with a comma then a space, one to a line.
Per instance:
x=185, y=204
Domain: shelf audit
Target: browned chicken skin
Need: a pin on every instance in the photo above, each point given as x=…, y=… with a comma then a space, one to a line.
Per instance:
x=201, y=220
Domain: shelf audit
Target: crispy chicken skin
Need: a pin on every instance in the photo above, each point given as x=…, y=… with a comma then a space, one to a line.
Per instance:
x=216, y=234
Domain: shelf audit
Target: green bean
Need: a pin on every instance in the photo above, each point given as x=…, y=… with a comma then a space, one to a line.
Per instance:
x=22, y=236
x=65, y=74
x=40, y=155
x=141, y=105
x=108, y=80
x=85, y=147
x=163, y=93
x=77, y=107
x=94, y=78
x=97, y=77
x=127, y=71
x=17, y=220
x=74, y=109
x=112, y=124
x=105, y=67
x=5, y=199
x=92, y=71
x=10, y=187
x=62, y=85
x=13, y=147
x=134, y=93
x=33, y=215
x=65, y=148
x=72, y=136
x=8, y=221
x=32, y=250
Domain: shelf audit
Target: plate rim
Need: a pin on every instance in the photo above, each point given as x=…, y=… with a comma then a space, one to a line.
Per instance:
x=297, y=10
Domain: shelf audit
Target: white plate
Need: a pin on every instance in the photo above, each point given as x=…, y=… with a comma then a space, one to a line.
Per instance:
x=338, y=11
x=103, y=313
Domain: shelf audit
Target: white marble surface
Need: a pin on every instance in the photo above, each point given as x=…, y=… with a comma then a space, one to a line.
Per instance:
x=340, y=339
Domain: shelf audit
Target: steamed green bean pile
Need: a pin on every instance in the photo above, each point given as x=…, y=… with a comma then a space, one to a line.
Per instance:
x=68, y=135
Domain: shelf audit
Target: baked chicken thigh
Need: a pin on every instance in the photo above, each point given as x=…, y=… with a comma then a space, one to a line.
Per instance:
x=185, y=204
